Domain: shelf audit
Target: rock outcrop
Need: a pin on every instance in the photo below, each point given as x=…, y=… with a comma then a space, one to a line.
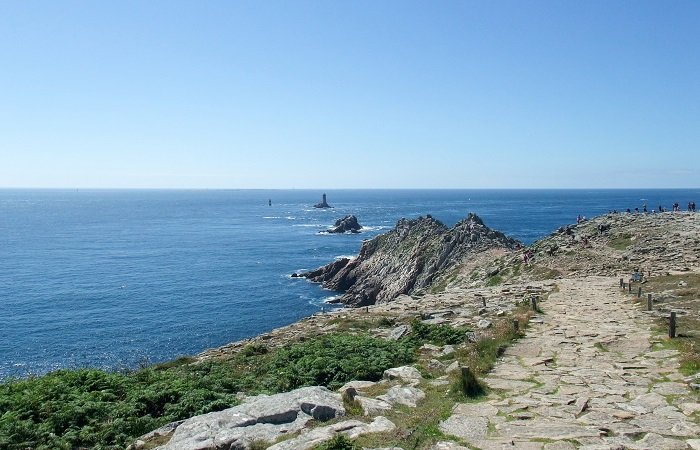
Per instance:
x=261, y=417
x=406, y=259
x=347, y=224
x=323, y=204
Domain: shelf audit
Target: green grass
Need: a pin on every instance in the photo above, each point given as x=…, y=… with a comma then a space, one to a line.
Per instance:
x=621, y=242
x=442, y=282
x=338, y=442
x=687, y=341
x=416, y=428
x=494, y=280
x=480, y=356
x=442, y=334
x=600, y=346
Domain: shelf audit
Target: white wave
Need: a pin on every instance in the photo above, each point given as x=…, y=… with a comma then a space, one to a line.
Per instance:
x=350, y=257
x=271, y=217
x=291, y=218
x=315, y=225
x=375, y=228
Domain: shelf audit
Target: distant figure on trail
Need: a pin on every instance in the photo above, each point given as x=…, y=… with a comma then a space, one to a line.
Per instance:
x=636, y=209
x=661, y=208
x=692, y=206
x=676, y=207
x=644, y=207
x=579, y=219
x=628, y=210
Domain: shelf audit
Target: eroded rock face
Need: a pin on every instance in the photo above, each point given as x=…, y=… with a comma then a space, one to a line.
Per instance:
x=406, y=259
x=347, y=224
x=261, y=417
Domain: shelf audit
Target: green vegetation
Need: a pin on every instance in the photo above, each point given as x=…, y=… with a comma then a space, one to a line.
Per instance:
x=89, y=408
x=601, y=346
x=333, y=360
x=494, y=280
x=441, y=284
x=621, y=242
x=480, y=356
x=338, y=442
x=436, y=334
x=416, y=428
x=467, y=385
x=93, y=409
x=361, y=324
x=682, y=291
x=538, y=272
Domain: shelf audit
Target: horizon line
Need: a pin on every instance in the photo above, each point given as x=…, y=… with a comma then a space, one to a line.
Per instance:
x=339, y=189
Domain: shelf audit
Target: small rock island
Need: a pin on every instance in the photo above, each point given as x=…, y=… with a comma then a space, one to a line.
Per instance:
x=323, y=204
x=347, y=224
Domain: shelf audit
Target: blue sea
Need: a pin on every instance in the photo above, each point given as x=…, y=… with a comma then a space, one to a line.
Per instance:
x=117, y=278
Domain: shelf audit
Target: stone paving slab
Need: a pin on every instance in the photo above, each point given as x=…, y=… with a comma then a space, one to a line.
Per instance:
x=585, y=376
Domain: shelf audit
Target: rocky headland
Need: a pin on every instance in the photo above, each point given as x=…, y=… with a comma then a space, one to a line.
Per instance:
x=593, y=369
x=407, y=259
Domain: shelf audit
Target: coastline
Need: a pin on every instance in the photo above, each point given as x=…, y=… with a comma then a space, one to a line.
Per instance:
x=484, y=294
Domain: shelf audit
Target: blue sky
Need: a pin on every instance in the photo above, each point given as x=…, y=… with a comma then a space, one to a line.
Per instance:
x=362, y=94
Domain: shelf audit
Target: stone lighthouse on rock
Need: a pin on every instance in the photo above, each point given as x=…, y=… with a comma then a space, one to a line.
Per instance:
x=323, y=203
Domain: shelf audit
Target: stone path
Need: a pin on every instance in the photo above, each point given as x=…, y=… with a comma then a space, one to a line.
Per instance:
x=583, y=377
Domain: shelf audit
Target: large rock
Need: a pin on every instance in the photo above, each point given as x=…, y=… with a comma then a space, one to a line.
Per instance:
x=261, y=417
x=350, y=428
x=403, y=395
x=408, y=258
x=347, y=224
x=408, y=373
x=372, y=406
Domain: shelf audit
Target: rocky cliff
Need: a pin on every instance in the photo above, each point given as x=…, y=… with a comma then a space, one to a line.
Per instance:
x=406, y=259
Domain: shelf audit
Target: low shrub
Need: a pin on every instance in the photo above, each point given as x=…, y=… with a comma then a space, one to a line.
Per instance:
x=90, y=408
x=442, y=334
x=338, y=442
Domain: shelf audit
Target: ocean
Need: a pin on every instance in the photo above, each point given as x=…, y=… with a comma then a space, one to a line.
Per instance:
x=118, y=278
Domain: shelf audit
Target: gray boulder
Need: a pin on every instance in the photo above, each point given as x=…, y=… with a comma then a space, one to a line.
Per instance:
x=408, y=373
x=403, y=395
x=347, y=224
x=350, y=428
x=261, y=417
x=398, y=332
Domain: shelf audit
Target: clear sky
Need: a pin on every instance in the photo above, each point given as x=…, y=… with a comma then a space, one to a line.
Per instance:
x=349, y=94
